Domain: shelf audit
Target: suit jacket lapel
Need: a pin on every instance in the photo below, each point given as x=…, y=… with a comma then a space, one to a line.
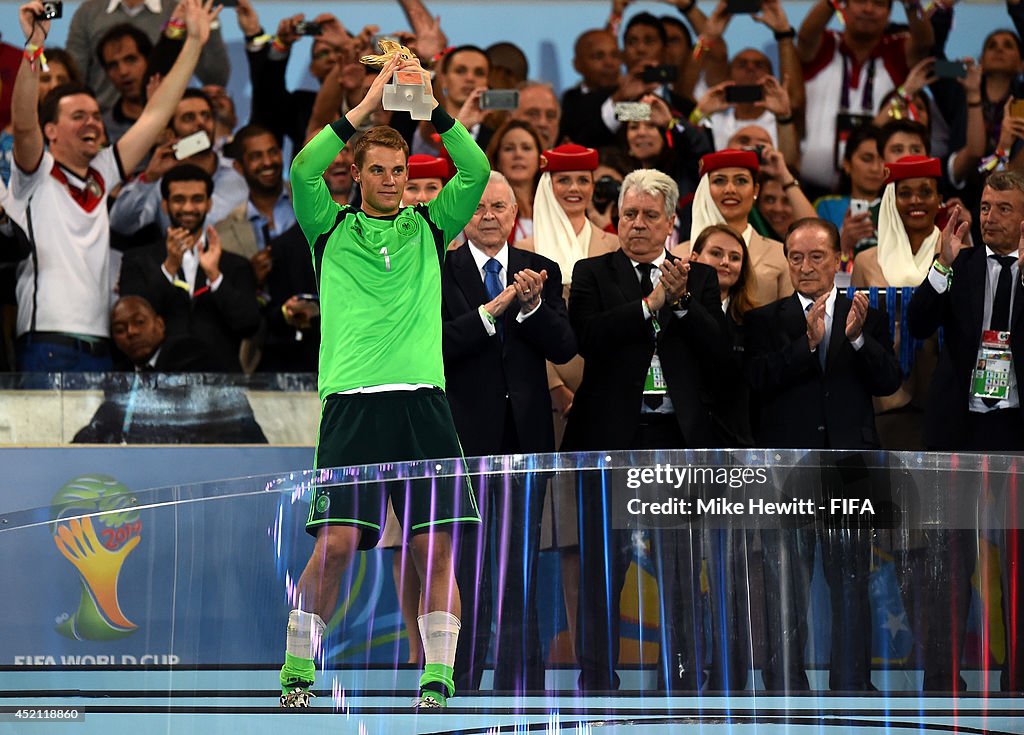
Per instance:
x=625, y=275
x=793, y=318
x=467, y=276
x=516, y=262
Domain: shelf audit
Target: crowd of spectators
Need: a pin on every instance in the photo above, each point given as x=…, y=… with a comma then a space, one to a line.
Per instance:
x=854, y=152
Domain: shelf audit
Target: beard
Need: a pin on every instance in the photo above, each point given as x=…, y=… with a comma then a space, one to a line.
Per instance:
x=194, y=230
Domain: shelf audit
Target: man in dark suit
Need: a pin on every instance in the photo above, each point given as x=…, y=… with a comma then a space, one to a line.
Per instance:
x=976, y=296
x=598, y=60
x=140, y=337
x=816, y=359
x=640, y=313
x=151, y=408
x=503, y=317
x=196, y=288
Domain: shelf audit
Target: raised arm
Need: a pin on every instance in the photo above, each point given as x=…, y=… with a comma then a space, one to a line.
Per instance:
x=134, y=144
x=774, y=16
x=341, y=81
x=430, y=39
x=808, y=40
x=28, y=138
x=966, y=159
x=922, y=35
x=713, y=59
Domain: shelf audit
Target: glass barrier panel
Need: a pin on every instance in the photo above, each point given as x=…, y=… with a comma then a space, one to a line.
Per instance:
x=158, y=408
x=793, y=591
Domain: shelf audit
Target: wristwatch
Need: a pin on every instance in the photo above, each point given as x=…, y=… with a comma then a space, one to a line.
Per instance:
x=683, y=302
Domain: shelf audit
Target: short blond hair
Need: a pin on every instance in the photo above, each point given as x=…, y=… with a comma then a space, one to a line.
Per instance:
x=381, y=135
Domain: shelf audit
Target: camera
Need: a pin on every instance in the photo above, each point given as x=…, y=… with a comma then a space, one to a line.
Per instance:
x=954, y=69
x=499, y=99
x=659, y=74
x=632, y=111
x=606, y=192
x=51, y=9
x=308, y=28
x=744, y=93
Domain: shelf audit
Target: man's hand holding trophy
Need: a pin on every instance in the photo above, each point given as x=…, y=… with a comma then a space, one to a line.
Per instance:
x=409, y=89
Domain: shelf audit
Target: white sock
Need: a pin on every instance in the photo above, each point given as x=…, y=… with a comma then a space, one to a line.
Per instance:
x=304, y=633
x=440, y=633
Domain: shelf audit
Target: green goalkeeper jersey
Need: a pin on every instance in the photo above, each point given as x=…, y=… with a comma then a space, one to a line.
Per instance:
x=380, y=277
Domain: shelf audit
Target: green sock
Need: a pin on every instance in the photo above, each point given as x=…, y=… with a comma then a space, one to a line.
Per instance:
x=439, y=674
x=297, y=672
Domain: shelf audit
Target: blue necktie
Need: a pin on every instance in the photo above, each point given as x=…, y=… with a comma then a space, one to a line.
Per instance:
x=491, y=281
x=493, y=286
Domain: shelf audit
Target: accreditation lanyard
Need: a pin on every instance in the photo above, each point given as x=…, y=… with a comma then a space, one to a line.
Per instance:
x=867, y=94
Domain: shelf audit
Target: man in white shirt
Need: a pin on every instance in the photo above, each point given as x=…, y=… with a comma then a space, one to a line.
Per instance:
x=58, y=198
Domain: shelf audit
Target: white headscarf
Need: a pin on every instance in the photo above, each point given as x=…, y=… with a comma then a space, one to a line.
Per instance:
x=705, y=211
x=899, y=264
x=553, y=233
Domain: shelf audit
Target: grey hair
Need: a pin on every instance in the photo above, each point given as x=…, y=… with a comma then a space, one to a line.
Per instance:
x=653, y=182
x=530, y=83
x=1006, y=181
x=497, y=177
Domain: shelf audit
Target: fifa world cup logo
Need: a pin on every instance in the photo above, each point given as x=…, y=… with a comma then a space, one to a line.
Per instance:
x=97, y=547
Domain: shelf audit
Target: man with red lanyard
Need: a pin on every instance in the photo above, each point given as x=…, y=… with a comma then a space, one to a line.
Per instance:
x=848, y=73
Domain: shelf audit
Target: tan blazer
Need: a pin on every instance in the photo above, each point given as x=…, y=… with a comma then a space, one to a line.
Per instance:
x=571, y=373
x=236, y=233
x=768, y=262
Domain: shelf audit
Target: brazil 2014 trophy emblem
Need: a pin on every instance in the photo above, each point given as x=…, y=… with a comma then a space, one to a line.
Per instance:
x=95, y=530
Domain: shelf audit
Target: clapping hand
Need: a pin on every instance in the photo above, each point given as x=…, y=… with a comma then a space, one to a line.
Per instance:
x=953, y=237
x=529, y=287
x=855, y=319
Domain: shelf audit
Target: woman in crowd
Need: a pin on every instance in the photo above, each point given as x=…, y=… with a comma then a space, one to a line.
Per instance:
x=1001, y=57
x=907, y=236
x=664, y=143
x=725, y=196
x=645, y=144
x=563, y=232
x=855, y=211
x=515, y=152
x=908, y=241
x=720, y=247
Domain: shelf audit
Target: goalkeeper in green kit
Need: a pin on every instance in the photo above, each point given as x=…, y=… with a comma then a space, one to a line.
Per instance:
x=382, y=376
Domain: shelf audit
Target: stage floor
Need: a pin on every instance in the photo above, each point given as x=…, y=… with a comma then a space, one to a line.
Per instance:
x=237, y=702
